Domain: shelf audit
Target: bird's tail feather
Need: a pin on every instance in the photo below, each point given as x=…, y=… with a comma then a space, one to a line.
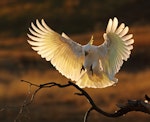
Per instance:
x=94, y=81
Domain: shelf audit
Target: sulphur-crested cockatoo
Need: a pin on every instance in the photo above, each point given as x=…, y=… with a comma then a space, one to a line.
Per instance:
x=89, y=65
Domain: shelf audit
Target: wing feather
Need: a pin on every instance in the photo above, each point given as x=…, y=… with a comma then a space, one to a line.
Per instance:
x=45, y=25
x=109, y=26
x=114, y=24
x=35, y=33
x=129, y=42
x=120, y=28
x=123, y=32
x=41, y=27
x=127, y=37
x=65, y=54
x=118, y=46
x=36, y=29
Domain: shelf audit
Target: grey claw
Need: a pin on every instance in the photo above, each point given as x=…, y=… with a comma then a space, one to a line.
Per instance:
x=82, y=69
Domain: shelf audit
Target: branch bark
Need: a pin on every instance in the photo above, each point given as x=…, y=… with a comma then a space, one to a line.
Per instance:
x=131, y=105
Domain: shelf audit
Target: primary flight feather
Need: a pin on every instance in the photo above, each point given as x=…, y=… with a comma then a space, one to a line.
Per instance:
x=89, y=65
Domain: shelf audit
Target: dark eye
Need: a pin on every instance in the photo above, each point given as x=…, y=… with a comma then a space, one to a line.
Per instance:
x=86, y=53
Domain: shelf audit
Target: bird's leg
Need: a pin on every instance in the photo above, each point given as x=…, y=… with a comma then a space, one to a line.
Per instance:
x=91, y=69
x=82, y=69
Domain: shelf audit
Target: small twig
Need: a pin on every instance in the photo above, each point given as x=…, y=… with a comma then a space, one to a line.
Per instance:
x=31, y=84
x=131, y=105
x=87, y=114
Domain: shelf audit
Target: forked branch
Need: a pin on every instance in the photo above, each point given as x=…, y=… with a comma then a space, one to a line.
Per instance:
x=131, y=105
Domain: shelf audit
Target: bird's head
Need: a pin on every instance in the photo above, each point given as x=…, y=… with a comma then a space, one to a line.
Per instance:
x=87, y=47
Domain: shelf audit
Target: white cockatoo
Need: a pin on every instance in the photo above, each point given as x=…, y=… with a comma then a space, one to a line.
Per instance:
x=89, y=65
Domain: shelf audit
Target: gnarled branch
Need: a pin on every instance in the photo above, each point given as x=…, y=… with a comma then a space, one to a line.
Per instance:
x=131, y=105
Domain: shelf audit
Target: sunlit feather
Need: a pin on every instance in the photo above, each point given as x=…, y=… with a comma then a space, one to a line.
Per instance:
x=101, y=63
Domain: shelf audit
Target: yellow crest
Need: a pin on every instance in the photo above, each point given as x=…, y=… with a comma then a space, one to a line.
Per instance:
x=91, y=40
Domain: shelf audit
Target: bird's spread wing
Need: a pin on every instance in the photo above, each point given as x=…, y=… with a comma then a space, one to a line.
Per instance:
x=65, y=54
x=117, y=46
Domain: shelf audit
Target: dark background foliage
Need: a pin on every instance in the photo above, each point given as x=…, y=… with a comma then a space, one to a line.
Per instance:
x=73, y=16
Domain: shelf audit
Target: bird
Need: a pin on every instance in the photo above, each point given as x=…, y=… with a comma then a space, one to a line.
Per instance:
x=89, y=66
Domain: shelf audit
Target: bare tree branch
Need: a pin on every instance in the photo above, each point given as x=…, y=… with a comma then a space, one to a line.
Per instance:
x=87, y=114
x=131, y=105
